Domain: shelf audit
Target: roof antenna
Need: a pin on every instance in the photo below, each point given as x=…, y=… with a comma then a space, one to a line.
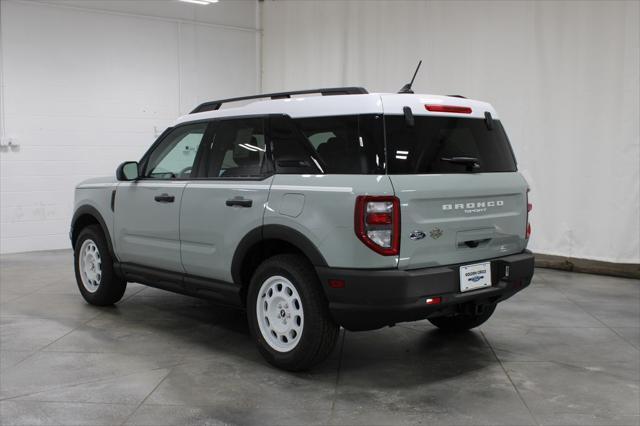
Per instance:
x=407, y=87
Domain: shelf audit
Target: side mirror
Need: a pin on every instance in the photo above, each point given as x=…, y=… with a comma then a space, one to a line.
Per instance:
x=127, y=171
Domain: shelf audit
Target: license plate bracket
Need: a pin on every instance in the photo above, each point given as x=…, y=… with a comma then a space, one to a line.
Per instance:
x=475, y=276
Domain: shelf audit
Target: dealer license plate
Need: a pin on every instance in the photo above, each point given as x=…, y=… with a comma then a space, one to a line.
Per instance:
x=475, y=276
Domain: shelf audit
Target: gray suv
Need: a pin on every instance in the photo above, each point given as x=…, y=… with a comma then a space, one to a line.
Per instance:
x=314, y=210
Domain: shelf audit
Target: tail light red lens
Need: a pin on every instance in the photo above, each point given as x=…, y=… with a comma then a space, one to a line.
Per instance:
x=377, y=223
x=379, y=218
x=448, y=108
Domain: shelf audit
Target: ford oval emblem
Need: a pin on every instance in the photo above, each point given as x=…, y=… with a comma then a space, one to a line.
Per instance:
x=417, y=235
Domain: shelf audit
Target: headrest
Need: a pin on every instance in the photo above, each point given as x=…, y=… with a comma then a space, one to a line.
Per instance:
x=246, y=157
x=333, y=145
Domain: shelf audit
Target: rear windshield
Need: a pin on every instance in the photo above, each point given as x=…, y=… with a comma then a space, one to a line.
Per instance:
x=440, y=145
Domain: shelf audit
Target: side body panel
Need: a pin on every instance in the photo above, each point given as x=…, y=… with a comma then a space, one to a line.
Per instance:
x=210, y=230
x=96, y=193
x=321, y=207
x=146, y=230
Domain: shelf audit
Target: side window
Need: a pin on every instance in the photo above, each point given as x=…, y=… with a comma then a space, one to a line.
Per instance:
x=293, y=153
x=238, y=149
x=176, y=154
x=347, y=144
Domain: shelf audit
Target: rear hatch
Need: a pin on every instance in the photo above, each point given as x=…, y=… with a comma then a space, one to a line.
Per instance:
x=454, y=172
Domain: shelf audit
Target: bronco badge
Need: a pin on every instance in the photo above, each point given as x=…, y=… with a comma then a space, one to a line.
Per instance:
x=435, y=233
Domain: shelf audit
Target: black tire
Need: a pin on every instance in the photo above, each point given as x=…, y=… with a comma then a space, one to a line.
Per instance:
x=463, y=322
x=110, y=288
x=319, y=332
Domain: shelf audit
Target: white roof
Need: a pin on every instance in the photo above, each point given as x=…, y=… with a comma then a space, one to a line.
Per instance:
x=372, y=103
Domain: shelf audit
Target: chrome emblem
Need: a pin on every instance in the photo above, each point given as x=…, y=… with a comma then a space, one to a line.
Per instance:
x=436, y=233
x=417, y=235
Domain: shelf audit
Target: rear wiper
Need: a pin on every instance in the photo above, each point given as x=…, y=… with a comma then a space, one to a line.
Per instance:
x=471, y=163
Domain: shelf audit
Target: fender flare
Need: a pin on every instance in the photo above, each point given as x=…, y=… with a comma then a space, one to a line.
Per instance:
x=273, y=232
x=92, y=211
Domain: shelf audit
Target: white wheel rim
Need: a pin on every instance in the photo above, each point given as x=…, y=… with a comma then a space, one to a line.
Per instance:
x=280, y=314
x=90, y=266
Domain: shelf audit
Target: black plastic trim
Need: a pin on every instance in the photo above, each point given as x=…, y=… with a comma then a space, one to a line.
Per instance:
x=215, y=105
x=176, y=282
x=92, y=211
x=290, y=235
x=252, y=238
x=374, y=298
x=273, y=232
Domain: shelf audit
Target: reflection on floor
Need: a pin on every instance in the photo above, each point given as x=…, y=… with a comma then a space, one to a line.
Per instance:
x=564, y=351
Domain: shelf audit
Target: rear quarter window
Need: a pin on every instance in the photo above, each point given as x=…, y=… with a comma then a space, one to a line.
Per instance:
x=349, y=144
x=423, y=148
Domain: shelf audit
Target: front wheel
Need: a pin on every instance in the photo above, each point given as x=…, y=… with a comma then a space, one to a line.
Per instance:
x=463, y=322
x=288, y=314
x=97, y=281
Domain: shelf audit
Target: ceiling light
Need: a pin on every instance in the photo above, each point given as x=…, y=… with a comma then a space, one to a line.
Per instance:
x=204, y=2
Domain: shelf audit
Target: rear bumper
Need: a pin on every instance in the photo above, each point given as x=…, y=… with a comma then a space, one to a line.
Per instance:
x=375, y=298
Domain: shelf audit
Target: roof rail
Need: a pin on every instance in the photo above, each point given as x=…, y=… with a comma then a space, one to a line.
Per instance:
x=215, y=105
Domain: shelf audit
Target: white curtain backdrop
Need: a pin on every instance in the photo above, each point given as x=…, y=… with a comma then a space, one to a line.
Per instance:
x=564, y=77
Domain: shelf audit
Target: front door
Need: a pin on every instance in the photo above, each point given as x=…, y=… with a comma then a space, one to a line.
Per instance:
x=147, y=211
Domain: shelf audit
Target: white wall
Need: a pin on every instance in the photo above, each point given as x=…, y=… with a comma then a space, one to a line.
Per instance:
x=86, y=85
x=563, y=75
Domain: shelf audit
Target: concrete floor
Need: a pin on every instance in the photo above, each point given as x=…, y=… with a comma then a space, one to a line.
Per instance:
x=565, y=351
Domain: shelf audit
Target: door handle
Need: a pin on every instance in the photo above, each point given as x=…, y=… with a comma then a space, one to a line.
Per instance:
x=164, y=198
x=239, y=201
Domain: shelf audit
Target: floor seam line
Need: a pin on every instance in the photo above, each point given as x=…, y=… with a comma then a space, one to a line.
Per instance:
x=599, y=320
x=147, y=397
x=335, y=392
x=88, y=382
x=515, y=388
x=81, y=324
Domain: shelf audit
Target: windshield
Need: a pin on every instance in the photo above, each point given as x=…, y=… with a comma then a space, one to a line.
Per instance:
x=441, y=145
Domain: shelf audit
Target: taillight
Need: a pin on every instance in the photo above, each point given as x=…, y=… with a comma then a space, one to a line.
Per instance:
x=377, y=223
x=527, y=232
x=448, y=108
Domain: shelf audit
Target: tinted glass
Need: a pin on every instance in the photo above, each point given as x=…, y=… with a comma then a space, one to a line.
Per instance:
x=292, y=151
x=346, y=144
x=423, y=147
x=174, y=157
x=238, y=149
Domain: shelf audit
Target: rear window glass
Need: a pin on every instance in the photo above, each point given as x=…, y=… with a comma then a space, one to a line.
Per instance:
x=438, y=145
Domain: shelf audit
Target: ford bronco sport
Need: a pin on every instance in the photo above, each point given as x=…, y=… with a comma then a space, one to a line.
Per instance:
x=349, y=209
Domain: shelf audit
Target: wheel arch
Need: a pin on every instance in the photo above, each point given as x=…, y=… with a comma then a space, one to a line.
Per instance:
x=266, y=241
x=88, y=215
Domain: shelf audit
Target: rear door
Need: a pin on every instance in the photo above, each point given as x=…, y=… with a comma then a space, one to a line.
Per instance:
x=461, y=197
x=228, y=199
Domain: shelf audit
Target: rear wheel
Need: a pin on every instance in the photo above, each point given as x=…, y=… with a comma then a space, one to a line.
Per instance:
x=93, y=263
x=463, y=322
x=288, y=314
